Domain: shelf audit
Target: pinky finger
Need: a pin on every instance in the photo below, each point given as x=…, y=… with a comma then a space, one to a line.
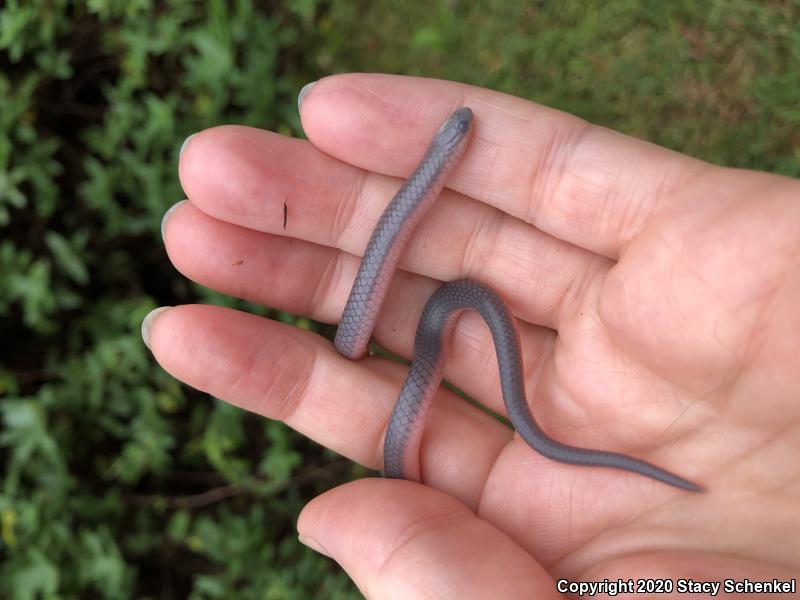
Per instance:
x=398, y=539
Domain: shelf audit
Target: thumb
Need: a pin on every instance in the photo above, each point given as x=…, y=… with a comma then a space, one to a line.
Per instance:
x=398, y=539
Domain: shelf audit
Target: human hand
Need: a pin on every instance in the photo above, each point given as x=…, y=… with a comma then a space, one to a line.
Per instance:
x=673, y=286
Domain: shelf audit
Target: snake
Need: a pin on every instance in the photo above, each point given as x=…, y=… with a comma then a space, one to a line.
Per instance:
x=406, y=425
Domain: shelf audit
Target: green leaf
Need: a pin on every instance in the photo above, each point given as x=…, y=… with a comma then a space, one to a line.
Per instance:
x=66, y=257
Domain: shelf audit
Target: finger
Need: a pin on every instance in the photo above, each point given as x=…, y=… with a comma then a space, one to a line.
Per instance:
x=245, y=176
x=298, y=277
x=285, y=373
x=581, y=183
x=401, y=540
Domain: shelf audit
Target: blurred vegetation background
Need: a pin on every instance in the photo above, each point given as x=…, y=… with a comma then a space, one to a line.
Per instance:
x=118, y=482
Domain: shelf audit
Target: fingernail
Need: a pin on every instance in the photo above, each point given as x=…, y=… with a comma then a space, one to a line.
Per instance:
x=183, y=145
x=303, y=93
x=167, y=215
x=313, y=544
x=147, y=324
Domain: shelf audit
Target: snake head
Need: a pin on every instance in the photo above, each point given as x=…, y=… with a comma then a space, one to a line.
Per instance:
x=454, y=130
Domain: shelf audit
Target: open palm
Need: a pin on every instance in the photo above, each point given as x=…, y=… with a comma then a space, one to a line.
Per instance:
x=658, y=299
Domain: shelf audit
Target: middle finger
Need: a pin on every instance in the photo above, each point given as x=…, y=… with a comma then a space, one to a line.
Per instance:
x=245, y=176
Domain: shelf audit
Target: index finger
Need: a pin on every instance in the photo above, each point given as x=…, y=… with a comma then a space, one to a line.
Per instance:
x=579, y=182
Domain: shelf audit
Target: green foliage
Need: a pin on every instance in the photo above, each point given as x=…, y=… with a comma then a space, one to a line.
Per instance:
x=717, y=79
x=116, y=481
